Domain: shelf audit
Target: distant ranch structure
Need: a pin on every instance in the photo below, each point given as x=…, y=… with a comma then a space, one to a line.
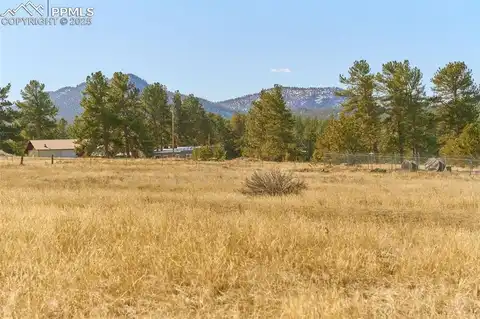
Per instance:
x=47, y=148
x=182, y=151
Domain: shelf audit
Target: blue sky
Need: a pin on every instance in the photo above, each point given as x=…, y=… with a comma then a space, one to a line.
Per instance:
x=223, y=49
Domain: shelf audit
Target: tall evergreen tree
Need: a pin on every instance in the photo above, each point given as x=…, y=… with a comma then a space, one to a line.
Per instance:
x=269, y=128
x=307, y=130
x=221, y=133
x=342, y=135
x=237, y=126
x=404, y=100
x=9, y=128
x=420, y=125
x=313, y=129
x=62, y=129
x=158, y=113
x=176, y=108
x=194, y=125
x=37, y=112
x=456, y=97
x=466, y=144
x=124, y=99
x=360, y=101
x=95, y=126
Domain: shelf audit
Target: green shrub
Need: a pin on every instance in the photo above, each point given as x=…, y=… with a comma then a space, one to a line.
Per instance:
x=209, y=153
x=219, y=153
x=202, y=153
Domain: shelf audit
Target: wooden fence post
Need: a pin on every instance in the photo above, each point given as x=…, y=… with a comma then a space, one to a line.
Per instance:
x=21, y=160
x=52, y=159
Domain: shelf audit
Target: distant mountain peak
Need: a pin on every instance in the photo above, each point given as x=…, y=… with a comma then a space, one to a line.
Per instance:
x=135, y=77
x=309, y=100
x=297, y=98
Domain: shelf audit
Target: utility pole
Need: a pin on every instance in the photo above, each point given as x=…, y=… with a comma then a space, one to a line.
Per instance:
x=173, y=129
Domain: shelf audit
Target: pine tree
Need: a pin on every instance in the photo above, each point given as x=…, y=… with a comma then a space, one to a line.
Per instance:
x=37, y=112
x=194, y=126
x=466, y=144
x=325, y=142
x=95, y=126
x=456, y=97
x=420, y=124
x=176, y=108
x=255, y=130
x=222, y=134
x=158, y=113
x=269, y=128
x=360, y=102
x=62, y=129
x=9, y=128
x=306, y=131
x=124, y=99
x=342, y=135
x=404, y=100
x=237, y=127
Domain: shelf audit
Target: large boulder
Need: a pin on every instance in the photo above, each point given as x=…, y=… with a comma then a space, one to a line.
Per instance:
x=435, y=164
x=409, y=165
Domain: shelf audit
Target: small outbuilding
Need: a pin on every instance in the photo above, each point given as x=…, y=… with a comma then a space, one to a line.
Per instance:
x=181, y=151
x=47, y=148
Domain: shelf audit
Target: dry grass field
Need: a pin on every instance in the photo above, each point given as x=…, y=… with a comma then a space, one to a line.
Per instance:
x=166, y=239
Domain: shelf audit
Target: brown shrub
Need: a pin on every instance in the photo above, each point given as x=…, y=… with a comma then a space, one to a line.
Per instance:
x=273, y=183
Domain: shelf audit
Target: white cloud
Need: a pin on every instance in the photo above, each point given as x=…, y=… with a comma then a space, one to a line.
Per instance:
x=285, y=70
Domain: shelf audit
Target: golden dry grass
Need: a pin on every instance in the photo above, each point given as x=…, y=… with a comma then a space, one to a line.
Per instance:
x=164, y=239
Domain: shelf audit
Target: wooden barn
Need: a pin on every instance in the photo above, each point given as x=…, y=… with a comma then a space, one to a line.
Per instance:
x=47, y=148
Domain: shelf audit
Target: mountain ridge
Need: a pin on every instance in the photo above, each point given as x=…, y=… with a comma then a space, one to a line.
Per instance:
x=320, y=101
x=296, y=98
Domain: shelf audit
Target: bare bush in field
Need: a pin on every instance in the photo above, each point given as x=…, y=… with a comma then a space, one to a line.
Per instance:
x=273, y=183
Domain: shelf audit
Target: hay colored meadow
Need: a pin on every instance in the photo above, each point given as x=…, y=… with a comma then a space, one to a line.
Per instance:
x=177, y=239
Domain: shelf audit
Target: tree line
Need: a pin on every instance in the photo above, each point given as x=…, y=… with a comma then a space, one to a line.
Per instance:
x=390, y=112
x=384, y=112
x=119, y=119
x=33, y=118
